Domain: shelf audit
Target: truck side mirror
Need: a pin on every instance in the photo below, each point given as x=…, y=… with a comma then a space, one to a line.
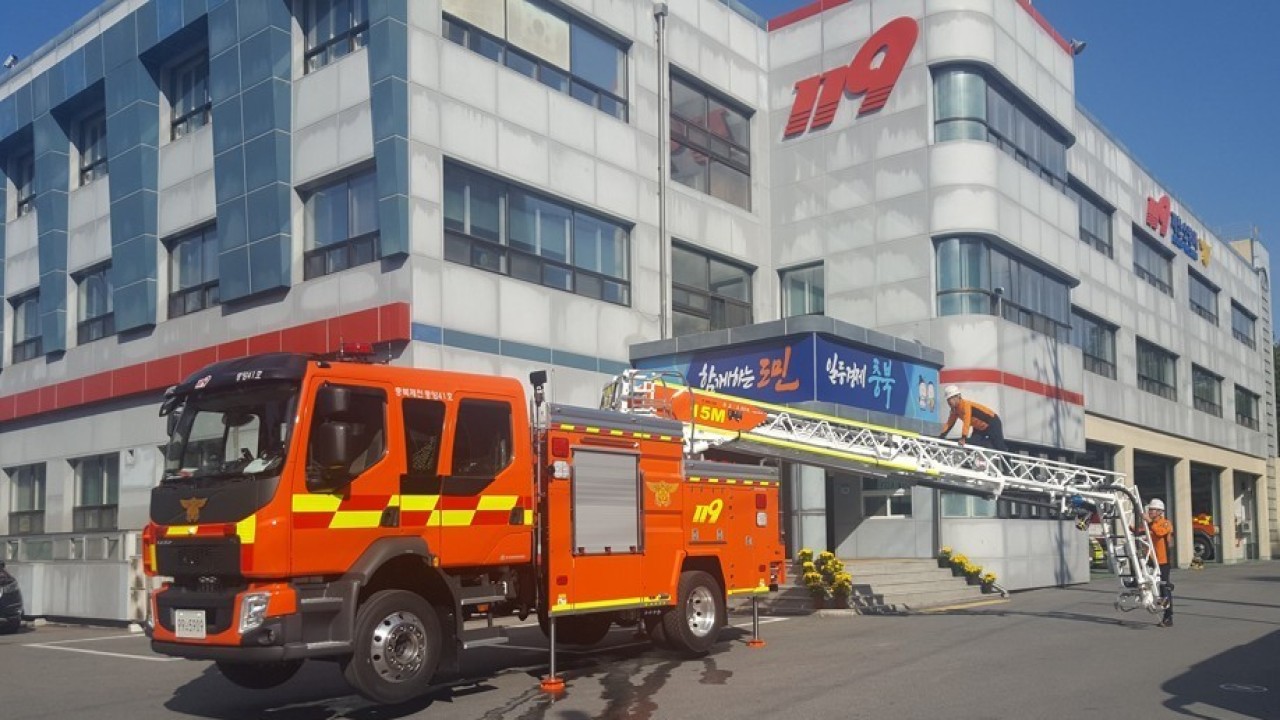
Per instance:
x=333, y=401
x=332, y=452
x=171, y=423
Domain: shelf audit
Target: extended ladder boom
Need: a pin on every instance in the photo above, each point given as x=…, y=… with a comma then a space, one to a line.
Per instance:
x=714, y=419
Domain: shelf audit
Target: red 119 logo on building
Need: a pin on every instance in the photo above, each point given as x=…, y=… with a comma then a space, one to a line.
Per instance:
x=818, y=97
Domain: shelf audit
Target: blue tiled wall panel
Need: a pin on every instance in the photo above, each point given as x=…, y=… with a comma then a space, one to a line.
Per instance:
x=133, y=140
x=3, y=201
x=249, y=79
x=119, y=44
x=388, y=49
x=168, y=17
x=388, y=9
x=52, y=168
x=94, y=63
x=389, y=101
x=145, y=25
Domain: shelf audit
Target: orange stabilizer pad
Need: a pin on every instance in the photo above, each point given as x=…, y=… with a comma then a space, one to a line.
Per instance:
x=552, y=684
x=755, y=643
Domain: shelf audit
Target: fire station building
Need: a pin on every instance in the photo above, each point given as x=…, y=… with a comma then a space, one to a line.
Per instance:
x=864, y=200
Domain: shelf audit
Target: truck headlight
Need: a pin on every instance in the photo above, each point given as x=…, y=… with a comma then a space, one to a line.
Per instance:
x=253, y=610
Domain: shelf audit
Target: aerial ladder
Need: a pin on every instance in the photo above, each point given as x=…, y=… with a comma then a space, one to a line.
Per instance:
x=767, y=431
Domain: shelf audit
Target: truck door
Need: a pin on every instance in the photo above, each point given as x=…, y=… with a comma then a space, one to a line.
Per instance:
x=420, y=484
x=338, y=510
x=484, y=497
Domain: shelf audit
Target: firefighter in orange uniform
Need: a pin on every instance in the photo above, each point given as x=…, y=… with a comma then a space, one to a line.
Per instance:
x=981, y=424
x=1161, y=531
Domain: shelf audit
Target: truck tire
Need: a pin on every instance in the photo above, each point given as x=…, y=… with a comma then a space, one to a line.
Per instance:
x=397, y=647
x=691, y=627
x=259, y=675
x=1202, y=546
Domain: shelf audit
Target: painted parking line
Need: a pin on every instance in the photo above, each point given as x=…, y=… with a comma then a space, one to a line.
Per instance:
x=62, y=645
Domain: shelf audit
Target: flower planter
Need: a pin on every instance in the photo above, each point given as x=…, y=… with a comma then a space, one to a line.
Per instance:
x=944, y=562
x=987, y=588
x=817, y=601
x=957, y=572
x=973, y=579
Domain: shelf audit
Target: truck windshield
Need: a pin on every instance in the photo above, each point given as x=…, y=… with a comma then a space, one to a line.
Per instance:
x=229, y=433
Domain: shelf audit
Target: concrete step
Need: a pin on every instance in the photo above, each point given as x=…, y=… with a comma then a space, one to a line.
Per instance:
x=879, y=586
x=907, y=577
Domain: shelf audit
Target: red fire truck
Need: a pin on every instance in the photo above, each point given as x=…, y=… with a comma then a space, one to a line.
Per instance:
x=333, y=508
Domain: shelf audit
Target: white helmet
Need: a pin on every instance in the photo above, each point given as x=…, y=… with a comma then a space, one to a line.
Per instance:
x=1156, y=504
x=952, y=391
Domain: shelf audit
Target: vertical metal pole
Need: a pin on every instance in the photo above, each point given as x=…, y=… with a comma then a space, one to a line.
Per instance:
x=552, y=683
x=755, y=641
x=664, y=147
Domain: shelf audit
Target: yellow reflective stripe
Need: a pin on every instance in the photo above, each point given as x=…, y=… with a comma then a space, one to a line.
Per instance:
x=566, y=427
x=246, y=529
x=456, y=518
x=394, y=501
x=174, y=530
x=617, y=433
x=601, y=604
x=151, y=557
x=909, y=467
x=749, y=591
x=418, y=503
x=497, y=502
x=528, y=517
x=316, y=503
x=355, y=519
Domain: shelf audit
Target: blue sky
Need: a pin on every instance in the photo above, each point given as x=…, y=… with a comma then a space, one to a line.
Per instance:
x=1192, y=88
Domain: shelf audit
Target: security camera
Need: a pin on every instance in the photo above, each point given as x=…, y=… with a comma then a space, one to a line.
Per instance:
x=11, y=61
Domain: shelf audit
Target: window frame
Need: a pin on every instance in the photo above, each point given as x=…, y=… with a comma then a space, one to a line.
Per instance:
x=974, y=507
x=561, y=79
x=708, y=147
x=1022, y=280
x=869, y=490
x=713, y=299
x=807, y=289
x=1199, y=377
x=1157, y=386
x=28, y=345
x=1093, y=362
x=1087, y=200
x=22, y=174
x=202, y=295
x=1196, y=280
x=1153, y=250
x=1239, y=313
x=105, y=513
x=355, y=250
x=33, y=517
x=355, y=36
x=91, y=151
x=1250, y=419
x=198, y=116
x=103, y=324
x=468, y=243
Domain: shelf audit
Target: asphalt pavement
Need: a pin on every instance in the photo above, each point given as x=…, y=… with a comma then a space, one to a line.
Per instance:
x=1058, y=653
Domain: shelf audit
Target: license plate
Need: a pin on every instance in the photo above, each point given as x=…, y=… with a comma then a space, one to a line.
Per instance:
x=189, y=624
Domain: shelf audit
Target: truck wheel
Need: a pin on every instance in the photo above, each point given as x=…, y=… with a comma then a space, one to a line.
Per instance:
x=259, y=675
x=397, y=647
x=693, y=624
x=1202, y=546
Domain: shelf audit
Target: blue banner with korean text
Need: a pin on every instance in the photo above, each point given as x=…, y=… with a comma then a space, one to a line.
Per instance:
x=872, y=381
x=779, y=371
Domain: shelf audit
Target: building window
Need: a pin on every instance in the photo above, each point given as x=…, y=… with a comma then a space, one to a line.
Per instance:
x=885, y=499
x=503, y=228
x=97, y=492
x=971, y=106
x=707, y=293
x=342, y=224
x=1095, y=217
x=1206, y=391
x=976, y=278
x=1204, y=297
x=957, y=505
x=547, y=44
x=1157, y=370
x=26, y=326
x=97, y=317
x=1151, y=263
x=334, y=28
x=193, y=272
x=189, y=101
x=1246, y=408
x=26, y=499
x=22, y=172
x=710, y=143
x=1097, y=342
x=91, y=145
x=803, y=291
x=1242, y=324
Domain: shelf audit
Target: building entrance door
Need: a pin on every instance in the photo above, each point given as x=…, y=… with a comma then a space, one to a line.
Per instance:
x=1246, y=512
